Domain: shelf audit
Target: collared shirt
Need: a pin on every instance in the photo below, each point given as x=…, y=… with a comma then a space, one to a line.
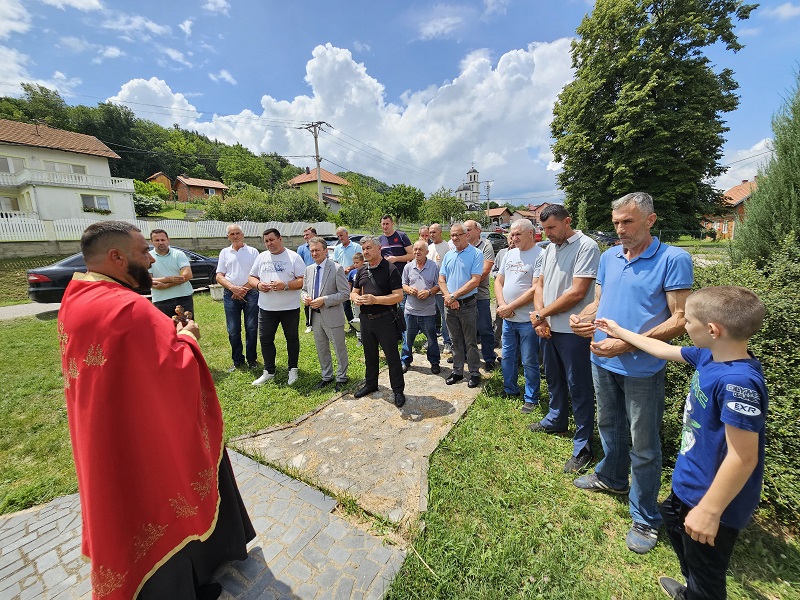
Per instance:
x=459, y=267
x=304, y=252
x=235, y=265
x=395, y=245
x=578, y=256
x=633, y=294
x=344, y=254
x=485, y=247
x=423, y=279
x=169, y=266
x=319, y=269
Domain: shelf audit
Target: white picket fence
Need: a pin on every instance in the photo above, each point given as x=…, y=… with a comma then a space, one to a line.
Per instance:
x=20, y=229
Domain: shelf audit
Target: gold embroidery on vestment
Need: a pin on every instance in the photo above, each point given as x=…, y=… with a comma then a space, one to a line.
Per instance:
x=105, y=581
x=206, y=441
x=72, y=370
x=203, y=400
x=63, y=338
x=203, y=487
x=182, y=507
x=148, y=536
x=95, y=356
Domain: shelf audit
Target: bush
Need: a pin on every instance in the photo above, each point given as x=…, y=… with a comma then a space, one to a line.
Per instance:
x=251, y=203
x=776, y=346
x=151, y=188
x=146, y=205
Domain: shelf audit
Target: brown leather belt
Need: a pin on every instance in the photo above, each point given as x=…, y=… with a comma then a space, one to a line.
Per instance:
x=377, y=315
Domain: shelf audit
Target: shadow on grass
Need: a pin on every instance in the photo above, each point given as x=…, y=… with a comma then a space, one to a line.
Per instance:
x=50, y=315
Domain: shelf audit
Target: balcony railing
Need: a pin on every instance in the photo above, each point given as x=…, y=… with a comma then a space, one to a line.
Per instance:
x=54, y=178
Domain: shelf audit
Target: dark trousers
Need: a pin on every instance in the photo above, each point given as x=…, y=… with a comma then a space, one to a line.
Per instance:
x=414, y=325
x=268, y=321
x=348, y=310
x=702, y=565
x=381, y=332
x=234, y=309
x=486, y=330
x=463, y=332
x=168, y=306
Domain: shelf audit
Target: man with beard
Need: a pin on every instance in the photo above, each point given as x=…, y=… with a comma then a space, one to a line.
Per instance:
x=172, y=275
x=160, y=507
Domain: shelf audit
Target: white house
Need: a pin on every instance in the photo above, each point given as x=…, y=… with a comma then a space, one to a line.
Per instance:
x=51, y=174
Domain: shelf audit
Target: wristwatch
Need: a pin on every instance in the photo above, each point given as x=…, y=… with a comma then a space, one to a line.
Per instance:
x=538, y=317
x=286, y=286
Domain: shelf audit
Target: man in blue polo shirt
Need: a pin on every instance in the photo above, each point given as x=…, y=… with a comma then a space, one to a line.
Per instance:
x=459, y=278
x=644, y=284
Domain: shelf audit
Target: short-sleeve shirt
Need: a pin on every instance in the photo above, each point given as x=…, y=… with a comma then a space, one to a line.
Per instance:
x=578, y=256
x=236, y=264
x=459, y=267
x=395, y=245
x=285, y=267
x=169, y=266
x=519, y=269
x=422, y=279
x=486, y=248
x=378, y=281
x=344, y=254
x=721, y=393
x=633, y=293
x=304, y=252
x=351, y=276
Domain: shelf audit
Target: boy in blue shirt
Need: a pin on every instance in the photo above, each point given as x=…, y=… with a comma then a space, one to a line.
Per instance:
x=718, y=475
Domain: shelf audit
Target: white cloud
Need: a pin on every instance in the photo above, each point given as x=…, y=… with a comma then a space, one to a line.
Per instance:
x=495, y=6
x=177, y=56
x=496, y=115
x=223, y=75
x=106, y=52
x=154, y=100
x=75, y=44
x=784, y=11
x=744, y=164
x=481, y=54
x=361, y=47
x=84, y=5
x=137, y=24
x=13, y=71
x=217, y=6
x=13, y=18
x=443, y=21
x=186, y=27
x=749, y=32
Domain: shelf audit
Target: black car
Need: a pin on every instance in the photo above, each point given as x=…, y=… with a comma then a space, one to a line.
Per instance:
x=497, y=240
x=47, y=284
x=601, y=237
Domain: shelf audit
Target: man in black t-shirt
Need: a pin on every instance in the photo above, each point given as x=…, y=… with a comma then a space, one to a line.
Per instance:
x=395, y=245
x=377, y=289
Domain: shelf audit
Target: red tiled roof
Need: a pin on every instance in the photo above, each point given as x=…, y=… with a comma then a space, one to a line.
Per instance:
x=206, y=183
x=154, y=175
x=496, y=212
x=325, y=176
x=739, y=193
x=525, y=213
x=42, y=136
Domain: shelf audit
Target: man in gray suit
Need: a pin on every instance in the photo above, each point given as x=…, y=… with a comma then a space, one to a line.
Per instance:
x=325, y=288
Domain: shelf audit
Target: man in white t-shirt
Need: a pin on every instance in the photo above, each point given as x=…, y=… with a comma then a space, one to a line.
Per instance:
x=437, y=248
x=514, y=290
x=277, y=274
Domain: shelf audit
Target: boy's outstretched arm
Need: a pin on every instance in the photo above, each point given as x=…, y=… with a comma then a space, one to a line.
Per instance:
x=702, y=522
x=650, y=345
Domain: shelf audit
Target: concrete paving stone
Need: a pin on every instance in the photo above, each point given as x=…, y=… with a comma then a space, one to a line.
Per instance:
x=291, y=534
x=365, y=573
x=313, y=556
x=258, y=587
x=291, y=512
x=323, y=541
x=278, y=508
x=35, y=591
x=63, y=586
x=11, y=591
x=46, y=561
x=283, y=493
x=271, y=551
x=295, y=485
x=19, y=542
x=302, y=540
x=29, y=581
x=9, y=558
x=251, y=568
x=357, y=557
x=307, y=590
x=262, y=523
x=353, y=541
x=299, y=570
x=15, y=579
x=41, y=545
x=268, y=595
x=337, y=529
x=318, y=499
x=377, y=591
x=339, y=554
x=275, y=531
x=70, y=521
x=71, y=557
x=381, y=554
x=15, y=532
x=234, y=585
x=278, y=564
x=344, y=589
x=54, y=577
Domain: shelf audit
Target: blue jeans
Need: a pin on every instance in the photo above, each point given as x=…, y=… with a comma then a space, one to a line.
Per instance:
x=233, y=322
x=567, y=367
x=519, y=339
x=486, y=331
x=629, y=415
x=426, y=325
x=445, y=331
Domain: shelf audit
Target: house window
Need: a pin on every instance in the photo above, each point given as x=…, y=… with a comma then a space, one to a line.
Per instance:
x=9, y=204
x=95, y=202
x=327, y=189
x=725, y=227
x=210, y=191
x=10, y=164
x=60, y=167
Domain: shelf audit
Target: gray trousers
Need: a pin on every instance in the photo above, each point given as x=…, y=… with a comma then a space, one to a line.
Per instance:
x=462, y=324
x=323, y=337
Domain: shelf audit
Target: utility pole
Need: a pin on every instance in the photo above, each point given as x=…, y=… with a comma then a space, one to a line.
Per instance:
x=488, y=188
x=315, y=128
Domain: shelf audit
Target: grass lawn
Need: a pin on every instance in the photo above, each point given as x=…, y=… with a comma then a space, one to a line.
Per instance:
x=13, y=283
x=503, y=520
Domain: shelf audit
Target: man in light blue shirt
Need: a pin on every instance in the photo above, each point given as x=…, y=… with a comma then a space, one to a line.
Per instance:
x=304, y=252
x=643, y=285
x=172, y=276
x=343, y=254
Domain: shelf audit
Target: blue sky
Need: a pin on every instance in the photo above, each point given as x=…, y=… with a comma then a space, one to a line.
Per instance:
x=414, y=92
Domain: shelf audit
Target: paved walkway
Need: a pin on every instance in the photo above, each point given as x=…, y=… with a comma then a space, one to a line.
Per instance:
x=302, y=550
x=26, y=310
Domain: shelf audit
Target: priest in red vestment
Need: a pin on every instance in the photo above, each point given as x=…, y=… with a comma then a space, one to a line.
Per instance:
x=160, y=506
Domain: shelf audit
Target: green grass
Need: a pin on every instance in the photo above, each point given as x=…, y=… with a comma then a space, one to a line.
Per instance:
x=13, y=283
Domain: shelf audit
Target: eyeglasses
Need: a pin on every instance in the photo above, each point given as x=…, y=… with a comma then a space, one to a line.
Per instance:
x=457, y=235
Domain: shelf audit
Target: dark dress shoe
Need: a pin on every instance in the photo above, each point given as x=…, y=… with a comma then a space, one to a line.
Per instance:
x=490, y=366
x=365, y=391
x=450, y=359
x=453, y=378
x=474, y=381
x=404, y=367
x=399, y=399
x=340, y=385
x=323, y=383
x=436, y=369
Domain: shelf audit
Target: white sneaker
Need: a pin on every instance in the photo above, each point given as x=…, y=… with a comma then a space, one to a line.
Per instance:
x=294, y=374
x=265, y=377
x=309, y=329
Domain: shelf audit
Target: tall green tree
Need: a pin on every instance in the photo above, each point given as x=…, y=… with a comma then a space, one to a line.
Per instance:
x=443, y=207
x=773, y=211
x=237, y=163
x=360, y=205
x=644, y=111
x=403, y=202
